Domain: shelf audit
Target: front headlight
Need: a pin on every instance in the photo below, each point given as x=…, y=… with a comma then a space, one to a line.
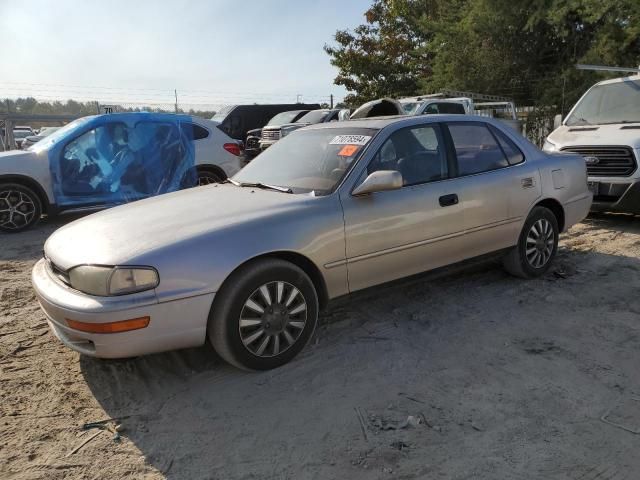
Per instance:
x=110, y=281
x=549, y=147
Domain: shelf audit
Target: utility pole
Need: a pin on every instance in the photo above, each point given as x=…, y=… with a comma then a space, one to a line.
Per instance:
x=331, y=97
x=175, y=91
x=299, y=98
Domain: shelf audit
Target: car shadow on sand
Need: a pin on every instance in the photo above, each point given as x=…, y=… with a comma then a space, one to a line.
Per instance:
x=621, y=222
x=445, y=345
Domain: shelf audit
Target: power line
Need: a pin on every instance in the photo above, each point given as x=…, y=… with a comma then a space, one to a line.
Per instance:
x=74, y=89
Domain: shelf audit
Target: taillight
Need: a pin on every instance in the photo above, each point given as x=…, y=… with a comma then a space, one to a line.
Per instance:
x=232, y=148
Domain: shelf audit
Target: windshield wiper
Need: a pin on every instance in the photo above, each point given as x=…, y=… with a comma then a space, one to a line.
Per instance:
x=264, y=186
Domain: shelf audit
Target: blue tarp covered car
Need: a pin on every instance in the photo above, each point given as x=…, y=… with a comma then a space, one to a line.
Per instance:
x=105, y=160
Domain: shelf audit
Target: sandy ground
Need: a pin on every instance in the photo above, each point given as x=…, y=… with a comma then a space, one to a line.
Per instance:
x=504, y=379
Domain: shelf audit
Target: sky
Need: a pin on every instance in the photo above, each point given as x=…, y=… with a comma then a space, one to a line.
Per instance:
x=210, y=51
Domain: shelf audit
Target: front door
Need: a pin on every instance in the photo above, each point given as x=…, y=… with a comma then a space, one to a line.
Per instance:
x=393, y=234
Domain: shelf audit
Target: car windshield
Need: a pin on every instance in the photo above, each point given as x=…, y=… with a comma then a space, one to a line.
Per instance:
x=222, y=113
x=314, y=116
x=610, y=103
x=61, y=132
x=284, y=117
x=306, y=161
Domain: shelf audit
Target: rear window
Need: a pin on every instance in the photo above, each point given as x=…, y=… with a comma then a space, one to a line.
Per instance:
x=284, y=117
x=314, y=116
x=223, y=113
x=451, y=108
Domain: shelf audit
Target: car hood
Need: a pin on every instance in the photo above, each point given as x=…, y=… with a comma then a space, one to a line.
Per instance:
x=120, y=235
x=12, y=155
x=619, y=134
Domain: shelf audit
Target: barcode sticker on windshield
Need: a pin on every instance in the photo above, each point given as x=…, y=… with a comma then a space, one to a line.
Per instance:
x=350, y=140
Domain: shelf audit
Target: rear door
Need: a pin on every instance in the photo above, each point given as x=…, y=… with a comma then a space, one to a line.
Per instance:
x=492, y=186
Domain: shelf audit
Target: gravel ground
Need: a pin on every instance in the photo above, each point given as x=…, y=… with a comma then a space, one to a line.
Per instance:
x=461, y=373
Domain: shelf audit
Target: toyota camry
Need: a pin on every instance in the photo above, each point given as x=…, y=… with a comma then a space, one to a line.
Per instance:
x=329, y=210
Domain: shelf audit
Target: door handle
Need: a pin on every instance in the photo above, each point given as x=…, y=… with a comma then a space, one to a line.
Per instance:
x=448, y=200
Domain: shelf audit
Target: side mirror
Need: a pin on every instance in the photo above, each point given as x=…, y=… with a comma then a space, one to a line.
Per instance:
x=380, y=181
x=557, y=121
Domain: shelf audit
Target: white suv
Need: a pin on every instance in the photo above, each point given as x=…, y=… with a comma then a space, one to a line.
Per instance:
x=105, y=160
x=604, y=127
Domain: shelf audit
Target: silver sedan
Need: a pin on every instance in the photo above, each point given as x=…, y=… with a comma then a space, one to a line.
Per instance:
x=329, y=210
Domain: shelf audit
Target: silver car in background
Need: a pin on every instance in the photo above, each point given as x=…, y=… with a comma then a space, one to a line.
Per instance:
x=329, y=210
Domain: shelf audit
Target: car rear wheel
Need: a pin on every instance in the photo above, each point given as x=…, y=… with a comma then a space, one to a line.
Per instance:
x=20, y=208
x=263, y=315
x=206, y=177
x=537, y=245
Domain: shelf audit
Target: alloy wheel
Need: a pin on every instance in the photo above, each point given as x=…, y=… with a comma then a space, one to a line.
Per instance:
x=540, y=243
x=272, y=319
x=17, y=209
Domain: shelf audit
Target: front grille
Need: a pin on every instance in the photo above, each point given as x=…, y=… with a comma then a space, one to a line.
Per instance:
x=271, y=134
x=252, y=143
x=59, y=273
x=617, y=161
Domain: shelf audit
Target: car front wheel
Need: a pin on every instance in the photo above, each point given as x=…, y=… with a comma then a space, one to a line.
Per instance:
x=537, y=245
x=20, y=208
x=263, y=315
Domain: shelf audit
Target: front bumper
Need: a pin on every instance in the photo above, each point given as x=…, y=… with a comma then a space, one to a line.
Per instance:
x=175, y=324
x=621, y=195
x=264, y=144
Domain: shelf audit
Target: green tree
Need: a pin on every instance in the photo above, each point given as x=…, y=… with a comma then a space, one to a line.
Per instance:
x=384, y=56
x=524, y=49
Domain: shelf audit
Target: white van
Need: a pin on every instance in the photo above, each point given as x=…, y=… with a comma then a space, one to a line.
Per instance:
x=604, y=127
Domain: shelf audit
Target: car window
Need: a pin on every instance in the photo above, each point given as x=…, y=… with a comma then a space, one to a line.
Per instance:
x=309, y=160
x=456, y=108
x=286, y=117
x=417, y=153
x=446, y=107
x=511, y=150
x=194, y=131
x=476, y=148
x=116, y=158
x=314, y=116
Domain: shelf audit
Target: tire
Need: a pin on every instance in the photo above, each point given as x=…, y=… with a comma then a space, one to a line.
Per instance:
x=535, y=252
x=294, y=316
x=207, y=177
x=20, y=208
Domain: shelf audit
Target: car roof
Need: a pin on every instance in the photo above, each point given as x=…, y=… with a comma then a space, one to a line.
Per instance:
x=630, y=78
x=379, y=123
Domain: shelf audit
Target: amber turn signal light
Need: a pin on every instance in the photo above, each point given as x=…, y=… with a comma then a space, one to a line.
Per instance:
x=110, y=327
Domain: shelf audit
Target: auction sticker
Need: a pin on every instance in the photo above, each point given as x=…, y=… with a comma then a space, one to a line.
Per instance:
x=348, y=150
x=350, y=140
